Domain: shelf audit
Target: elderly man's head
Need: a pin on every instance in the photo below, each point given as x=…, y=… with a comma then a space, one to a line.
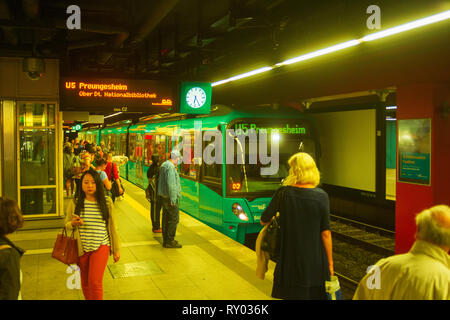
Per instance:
x=175, y=156
x=433, y=225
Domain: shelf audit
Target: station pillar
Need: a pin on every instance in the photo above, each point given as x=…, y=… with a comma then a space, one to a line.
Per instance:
x=423, y=101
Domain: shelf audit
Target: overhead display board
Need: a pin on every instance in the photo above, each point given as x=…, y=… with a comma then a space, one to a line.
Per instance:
x=195, y=97
x=116, y=95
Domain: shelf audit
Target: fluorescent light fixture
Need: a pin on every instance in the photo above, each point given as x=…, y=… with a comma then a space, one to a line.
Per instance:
x=112, y=115
x=391, y=119
x=408, y=26
x=320, y=52
x=244, y=75
x=391, y=107
x=377, y=35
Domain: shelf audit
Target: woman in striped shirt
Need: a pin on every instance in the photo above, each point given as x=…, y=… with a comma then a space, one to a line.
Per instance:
x=92, y=217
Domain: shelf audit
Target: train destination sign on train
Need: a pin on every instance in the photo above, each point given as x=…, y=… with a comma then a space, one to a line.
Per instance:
x=116, y=95
x=243, y=128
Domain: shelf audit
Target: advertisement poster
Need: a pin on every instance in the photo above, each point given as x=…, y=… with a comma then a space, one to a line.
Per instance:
x=414, y=150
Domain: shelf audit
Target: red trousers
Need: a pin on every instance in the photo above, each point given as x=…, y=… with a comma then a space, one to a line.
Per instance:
x=92, y=267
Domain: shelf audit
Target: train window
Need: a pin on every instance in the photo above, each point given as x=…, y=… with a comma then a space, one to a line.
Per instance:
x=148, y=148
x=190, y=166
x=123, y=144
x=245, y=174
x=113, y=147
x=212, y=170
x=132, y=146
x=161, y=147
x=169, y=149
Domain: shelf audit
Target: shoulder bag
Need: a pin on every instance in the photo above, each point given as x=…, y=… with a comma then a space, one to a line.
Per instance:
x=66, y=248
x=271, y=241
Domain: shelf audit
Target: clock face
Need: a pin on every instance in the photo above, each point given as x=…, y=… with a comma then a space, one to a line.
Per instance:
x=196, y=97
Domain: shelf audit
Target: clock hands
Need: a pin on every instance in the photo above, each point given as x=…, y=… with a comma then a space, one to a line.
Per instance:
x=195, y=99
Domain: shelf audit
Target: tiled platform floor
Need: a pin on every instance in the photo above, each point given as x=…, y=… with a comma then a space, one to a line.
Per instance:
x=210, y=266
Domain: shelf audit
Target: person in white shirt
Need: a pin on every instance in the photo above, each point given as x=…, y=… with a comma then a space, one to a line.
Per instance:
x=421, y=274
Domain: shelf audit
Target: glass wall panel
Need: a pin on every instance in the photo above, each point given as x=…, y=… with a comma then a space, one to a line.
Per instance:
x=37, y=157
x=38, y=201
x=36, y=114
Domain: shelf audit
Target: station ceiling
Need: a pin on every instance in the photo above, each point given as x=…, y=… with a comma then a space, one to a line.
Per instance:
x=210, y=40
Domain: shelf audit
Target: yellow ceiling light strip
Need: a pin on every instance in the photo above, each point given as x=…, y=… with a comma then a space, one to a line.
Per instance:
x=320, y=52
x=408, y=26
x=244, y=75
x=377, y=35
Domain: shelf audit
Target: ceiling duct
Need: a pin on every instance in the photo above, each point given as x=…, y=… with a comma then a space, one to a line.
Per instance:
x=155, y=16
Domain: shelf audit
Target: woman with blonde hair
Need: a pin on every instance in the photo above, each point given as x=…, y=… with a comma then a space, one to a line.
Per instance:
x=305, y=259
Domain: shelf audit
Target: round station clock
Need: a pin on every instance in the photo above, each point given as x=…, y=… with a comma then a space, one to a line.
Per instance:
x=196, y=97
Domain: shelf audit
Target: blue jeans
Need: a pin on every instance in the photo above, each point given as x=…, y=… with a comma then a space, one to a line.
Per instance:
x=170, y=218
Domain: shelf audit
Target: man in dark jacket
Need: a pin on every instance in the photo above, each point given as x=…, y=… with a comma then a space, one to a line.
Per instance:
x=155, y=202
x=10, y=220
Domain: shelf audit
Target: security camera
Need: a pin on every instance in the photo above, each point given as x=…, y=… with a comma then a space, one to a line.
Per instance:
x=34, y=68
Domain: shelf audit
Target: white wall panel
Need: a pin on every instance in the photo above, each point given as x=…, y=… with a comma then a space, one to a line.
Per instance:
x=348, y=148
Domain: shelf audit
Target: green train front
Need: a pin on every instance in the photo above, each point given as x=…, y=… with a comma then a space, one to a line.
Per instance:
x=247, y=190
x=229, y=196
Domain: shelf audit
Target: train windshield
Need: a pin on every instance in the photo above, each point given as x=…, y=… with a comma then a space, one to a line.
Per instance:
x=246, y=174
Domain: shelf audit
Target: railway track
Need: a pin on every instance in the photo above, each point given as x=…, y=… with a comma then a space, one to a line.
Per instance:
x=372, y=238
x=355, y=247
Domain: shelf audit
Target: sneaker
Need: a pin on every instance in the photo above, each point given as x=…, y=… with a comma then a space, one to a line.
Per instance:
x=159, y=230
x=172, y=244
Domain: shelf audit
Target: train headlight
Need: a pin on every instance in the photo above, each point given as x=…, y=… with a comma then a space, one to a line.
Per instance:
x=239, y=212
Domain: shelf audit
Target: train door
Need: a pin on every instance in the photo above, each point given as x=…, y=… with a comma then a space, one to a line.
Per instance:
x=139, y=158
x=211, y=187
x=132, y=157
x=122, y=137
x=189, y=174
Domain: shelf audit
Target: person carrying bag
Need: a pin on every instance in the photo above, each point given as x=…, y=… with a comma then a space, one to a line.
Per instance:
x=115, y=190
x=91, y=218
x=113, y=175
x=305, y=253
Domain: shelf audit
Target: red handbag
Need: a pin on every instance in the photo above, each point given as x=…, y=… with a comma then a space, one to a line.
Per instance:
x=66, y=248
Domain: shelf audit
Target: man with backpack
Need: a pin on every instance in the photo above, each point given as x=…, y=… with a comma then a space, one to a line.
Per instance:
x=152, y=192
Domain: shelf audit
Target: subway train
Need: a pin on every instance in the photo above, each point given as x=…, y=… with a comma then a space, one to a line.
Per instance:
x=227, y=177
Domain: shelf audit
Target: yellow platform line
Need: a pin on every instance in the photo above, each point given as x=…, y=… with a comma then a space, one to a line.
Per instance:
x=139, y=207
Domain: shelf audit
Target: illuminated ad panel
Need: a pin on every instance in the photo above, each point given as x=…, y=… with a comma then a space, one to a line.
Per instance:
x=116, y=95
x=195, y=97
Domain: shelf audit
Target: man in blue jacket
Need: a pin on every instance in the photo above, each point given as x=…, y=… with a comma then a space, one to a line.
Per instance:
x=170, y=191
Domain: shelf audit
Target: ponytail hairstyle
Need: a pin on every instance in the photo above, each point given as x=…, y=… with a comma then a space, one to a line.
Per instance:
x=99, y=195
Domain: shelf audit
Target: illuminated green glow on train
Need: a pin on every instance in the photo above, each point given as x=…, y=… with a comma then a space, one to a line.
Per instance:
x=228, y=196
